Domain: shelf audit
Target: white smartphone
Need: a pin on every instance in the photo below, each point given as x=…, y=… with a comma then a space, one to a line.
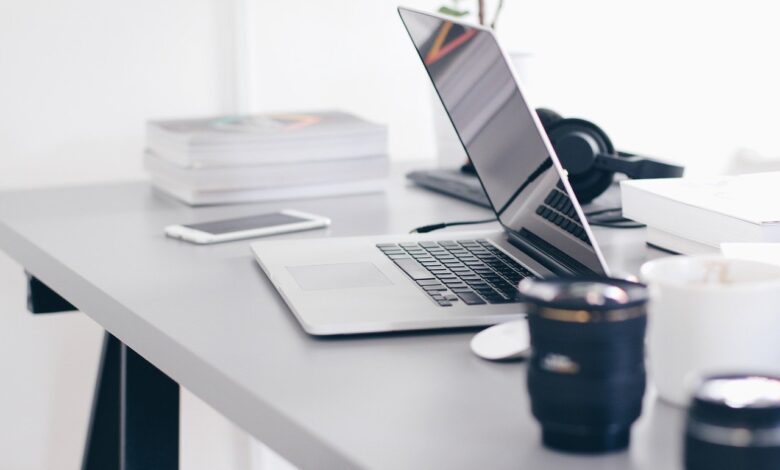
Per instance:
x=247, y=227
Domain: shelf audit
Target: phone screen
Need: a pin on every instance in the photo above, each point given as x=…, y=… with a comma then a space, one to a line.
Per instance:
x=246, y=223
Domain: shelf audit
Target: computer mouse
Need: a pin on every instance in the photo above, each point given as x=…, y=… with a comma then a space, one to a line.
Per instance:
x=502, y=342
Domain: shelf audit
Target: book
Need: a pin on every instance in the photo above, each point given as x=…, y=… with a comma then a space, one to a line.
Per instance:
x=199, y=198
x=695, y=215
x=222, y=178
x=267, y=138
x=676, y=244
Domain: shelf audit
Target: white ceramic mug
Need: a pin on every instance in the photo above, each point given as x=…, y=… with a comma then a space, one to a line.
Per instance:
x=709, y=315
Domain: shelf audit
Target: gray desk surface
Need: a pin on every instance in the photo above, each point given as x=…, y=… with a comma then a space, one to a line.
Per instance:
x=207, y=317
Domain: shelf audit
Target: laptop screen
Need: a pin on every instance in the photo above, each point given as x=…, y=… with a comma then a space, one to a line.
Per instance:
x=504, y=142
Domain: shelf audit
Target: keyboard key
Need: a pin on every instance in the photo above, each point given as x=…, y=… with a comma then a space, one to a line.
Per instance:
x=439, y=287
x=470, y=298
x=386, y=245
x=399, y=257
x=413, y=269
x=429, y=282
x=460, y=289
x=445, y=303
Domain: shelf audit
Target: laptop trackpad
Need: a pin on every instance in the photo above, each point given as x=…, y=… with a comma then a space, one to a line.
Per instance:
x=338, y=276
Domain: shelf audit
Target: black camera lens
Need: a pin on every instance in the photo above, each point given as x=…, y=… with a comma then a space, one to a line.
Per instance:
x=586, y=375
x=734, y=424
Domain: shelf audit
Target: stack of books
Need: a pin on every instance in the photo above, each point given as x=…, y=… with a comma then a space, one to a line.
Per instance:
x=697, y=215
x=234, y=159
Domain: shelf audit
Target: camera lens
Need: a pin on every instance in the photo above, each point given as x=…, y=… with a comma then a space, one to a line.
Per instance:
x=586, y=375
x=734, y=424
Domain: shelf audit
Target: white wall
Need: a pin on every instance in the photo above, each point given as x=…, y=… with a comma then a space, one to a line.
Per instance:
x=692, y=81
x=79, y=78
x=689, y=81
x=349, y=54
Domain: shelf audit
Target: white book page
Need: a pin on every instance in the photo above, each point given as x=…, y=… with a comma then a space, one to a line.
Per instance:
x=753, y=197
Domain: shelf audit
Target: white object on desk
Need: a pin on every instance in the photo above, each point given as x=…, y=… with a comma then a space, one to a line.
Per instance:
x=261, y=225
x=201, y=198
x=764, y=252
x=710, y=315
x=692, y=216
x=510, y=340
x=265, y=177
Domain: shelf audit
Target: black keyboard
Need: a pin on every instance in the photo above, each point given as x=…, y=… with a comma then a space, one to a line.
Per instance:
x=470, y=271
x=558, y=209
x=452, y=182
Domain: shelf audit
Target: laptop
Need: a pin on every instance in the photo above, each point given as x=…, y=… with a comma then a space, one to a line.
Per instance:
x=373, y=284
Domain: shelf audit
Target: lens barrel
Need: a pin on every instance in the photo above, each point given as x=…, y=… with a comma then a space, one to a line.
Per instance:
x=586, y=375
x=734, y=424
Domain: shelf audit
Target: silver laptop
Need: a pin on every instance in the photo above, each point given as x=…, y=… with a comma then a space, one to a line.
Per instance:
x=450, y=279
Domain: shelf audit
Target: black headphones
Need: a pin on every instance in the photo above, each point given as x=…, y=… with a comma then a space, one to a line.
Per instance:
x=591, y=160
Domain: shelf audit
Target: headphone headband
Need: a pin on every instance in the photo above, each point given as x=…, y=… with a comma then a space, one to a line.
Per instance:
x=587, y=154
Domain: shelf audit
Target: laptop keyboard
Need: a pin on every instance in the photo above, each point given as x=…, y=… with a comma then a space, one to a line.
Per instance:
x=470, y=271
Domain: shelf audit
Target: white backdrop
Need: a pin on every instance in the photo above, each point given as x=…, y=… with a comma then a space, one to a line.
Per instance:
x=690, y=81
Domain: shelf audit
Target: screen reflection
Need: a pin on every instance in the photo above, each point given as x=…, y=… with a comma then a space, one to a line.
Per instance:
x=500, y=136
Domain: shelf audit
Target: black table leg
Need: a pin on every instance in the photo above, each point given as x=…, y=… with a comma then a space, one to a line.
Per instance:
x=102, y=447
x=134, y=423
x=149, y=432
x=135, y=414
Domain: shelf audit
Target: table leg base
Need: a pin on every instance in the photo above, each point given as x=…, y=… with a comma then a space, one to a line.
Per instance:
x=135, y=414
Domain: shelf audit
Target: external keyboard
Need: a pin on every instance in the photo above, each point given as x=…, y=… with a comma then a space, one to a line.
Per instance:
x=470, y=271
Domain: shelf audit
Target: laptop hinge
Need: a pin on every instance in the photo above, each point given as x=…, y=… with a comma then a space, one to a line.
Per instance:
x=562, y=265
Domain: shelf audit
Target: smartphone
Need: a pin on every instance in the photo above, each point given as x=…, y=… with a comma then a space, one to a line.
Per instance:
x=246, y=227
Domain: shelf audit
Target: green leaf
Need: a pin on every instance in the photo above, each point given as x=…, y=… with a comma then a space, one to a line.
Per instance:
x=452, y=12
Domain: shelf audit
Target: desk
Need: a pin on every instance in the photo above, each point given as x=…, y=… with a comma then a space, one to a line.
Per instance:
x=208, y=318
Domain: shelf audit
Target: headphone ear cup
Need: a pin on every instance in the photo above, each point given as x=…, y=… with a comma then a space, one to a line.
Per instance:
x=548, y=117
x=577, y=143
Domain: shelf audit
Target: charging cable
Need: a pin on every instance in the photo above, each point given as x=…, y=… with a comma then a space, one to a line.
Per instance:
x=439, y=226
x=618, y=222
